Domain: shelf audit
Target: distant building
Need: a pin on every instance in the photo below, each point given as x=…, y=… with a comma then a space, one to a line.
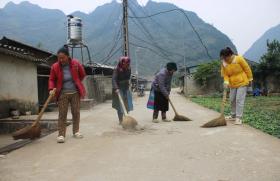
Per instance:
x=24, y=74
x=190, y=87
x=20, y=68
x=98, y=82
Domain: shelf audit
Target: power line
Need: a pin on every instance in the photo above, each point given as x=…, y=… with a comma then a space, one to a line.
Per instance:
x=148, y=33
x=137, y=38
x=117, y=39
x=186, y=16
x=133, y=44
x=111, y=51
x=152, y=43
x=108, y=44
x=149, y=36
x=105, y=60
x=155, y=14
x=158, y=24
x=114, y=36
x=164, y=29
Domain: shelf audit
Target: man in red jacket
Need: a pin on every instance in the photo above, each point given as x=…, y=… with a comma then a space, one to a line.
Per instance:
x=66, y=76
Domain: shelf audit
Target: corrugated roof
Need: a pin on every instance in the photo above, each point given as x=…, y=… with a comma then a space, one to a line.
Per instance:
x=23, y=51
x=98, y=65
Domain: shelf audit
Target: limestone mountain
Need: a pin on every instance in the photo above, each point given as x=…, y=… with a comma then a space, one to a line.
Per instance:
x=153, y=41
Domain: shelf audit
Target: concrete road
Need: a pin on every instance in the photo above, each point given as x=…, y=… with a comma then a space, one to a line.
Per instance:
x=176, y=151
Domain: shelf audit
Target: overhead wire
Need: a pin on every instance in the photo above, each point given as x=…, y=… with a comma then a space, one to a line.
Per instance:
x=117, y=39
x=114, y=37
x=146, y=32
x=154, y=21
x=144, y=41
x=188, y=19
x=154, y=51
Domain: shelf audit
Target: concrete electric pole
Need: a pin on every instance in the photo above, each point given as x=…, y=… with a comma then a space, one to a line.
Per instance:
x=125, y=28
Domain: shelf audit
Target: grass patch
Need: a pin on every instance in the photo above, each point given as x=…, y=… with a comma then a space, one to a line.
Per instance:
x=260, y=112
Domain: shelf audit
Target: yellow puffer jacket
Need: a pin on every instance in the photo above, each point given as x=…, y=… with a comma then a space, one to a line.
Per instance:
x=237, y=73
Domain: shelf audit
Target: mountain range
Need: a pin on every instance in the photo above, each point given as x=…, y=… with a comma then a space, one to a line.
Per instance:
x=259, y=48
x=153, y=41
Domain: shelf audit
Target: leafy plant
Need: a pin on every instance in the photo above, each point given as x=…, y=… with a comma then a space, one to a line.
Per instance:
x=207, y=71
x=270, y=62
x=260, y=112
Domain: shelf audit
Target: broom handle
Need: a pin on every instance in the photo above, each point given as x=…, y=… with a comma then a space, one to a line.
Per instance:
x=176, y=113
x=44, y=107
x=122, y=104
x=224, y=101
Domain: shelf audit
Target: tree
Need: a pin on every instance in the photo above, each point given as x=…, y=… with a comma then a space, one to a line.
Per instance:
x=207, y=71
x=270, y=62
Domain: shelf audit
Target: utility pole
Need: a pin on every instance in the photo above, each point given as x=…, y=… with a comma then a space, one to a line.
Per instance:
x=184, y=49
x=125, y=28
x=136, y=61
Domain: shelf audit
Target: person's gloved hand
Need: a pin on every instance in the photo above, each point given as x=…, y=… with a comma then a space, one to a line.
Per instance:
x=117, y=91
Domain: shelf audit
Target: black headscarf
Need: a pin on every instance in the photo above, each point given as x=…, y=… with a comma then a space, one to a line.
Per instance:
x=64, y=50
x=171, y=66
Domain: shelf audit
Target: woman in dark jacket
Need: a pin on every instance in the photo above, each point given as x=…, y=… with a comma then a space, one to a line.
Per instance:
x=120, y=83
x=162, y=87
x=66, y=76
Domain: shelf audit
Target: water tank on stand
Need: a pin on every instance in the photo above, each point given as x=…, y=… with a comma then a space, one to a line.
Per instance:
x=74, y=30
x=75, y=40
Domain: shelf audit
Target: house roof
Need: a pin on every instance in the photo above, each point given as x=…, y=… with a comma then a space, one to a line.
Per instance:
x=97, y=68
x=24, y=51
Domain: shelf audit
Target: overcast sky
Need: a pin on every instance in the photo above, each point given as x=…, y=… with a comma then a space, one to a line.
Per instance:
x=244, y=21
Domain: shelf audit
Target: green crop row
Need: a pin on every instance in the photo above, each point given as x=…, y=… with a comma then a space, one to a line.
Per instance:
x=262, y=113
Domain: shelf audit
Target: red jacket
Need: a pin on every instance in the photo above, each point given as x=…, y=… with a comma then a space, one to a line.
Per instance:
x=56, y=77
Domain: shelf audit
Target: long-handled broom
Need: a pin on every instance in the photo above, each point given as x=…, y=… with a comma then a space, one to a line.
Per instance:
x=220, y=121
x=178, y=117
x=128, y=122
x=33, y=131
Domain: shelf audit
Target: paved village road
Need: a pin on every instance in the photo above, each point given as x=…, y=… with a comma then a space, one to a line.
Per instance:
x=176, y=151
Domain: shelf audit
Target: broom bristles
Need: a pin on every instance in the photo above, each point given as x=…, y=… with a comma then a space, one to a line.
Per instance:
x=181, y=118
x=129, y=122
x=28, y=132
x=220, y=121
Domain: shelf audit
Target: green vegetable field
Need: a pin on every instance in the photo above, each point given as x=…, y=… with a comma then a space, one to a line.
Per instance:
x=260, y=112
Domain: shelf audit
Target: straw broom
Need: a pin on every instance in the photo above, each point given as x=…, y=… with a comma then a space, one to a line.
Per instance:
x=220, y=121
x=178, y=117
x=128, y=122
x=33, y=131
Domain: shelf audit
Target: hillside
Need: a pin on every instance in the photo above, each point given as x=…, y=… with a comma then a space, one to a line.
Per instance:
x=153, y=41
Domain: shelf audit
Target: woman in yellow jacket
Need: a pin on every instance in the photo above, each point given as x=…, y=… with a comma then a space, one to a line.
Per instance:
x=237, y=76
